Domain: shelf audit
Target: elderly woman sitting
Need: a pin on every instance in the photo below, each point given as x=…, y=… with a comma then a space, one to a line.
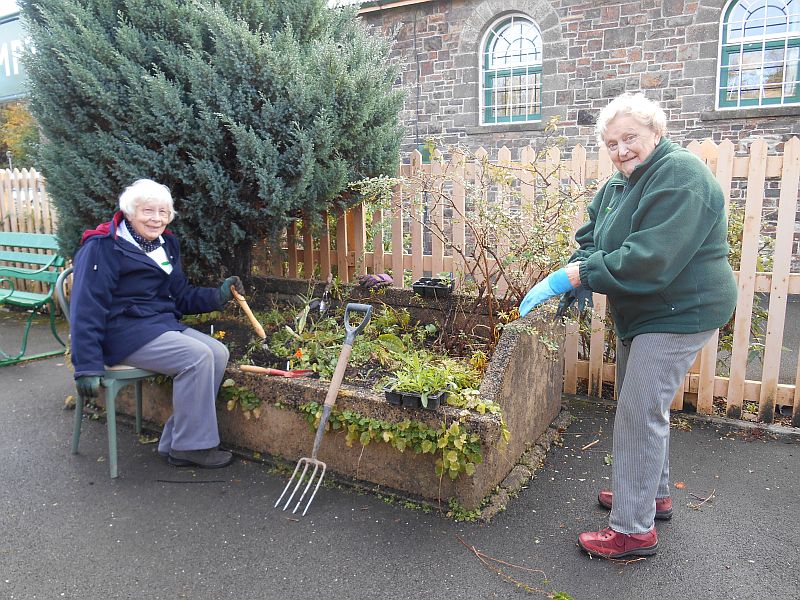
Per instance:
x=129, y=293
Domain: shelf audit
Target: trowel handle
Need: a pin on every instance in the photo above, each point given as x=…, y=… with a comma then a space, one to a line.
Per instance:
x=253, y=321
x=352, y=332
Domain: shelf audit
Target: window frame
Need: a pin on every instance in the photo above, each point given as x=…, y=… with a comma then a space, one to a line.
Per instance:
x=743, y=45
x=488, y=75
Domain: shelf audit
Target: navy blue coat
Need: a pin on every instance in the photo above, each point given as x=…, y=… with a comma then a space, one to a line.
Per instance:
x=121, y=299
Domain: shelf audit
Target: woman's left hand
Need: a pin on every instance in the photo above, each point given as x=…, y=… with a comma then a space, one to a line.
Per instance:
x=225, y=294
x=554, y=284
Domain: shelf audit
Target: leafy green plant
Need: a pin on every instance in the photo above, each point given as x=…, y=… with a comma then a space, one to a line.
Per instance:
x=233, y=395
x=458, y=450
x=418, y=375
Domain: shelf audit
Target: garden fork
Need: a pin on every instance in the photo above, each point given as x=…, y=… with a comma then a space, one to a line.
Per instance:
x=319, y=467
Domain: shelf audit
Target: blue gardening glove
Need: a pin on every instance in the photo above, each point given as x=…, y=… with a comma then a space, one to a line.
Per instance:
x=88, y=386
x=225, y=294
x=580, y=295
x=554, y=284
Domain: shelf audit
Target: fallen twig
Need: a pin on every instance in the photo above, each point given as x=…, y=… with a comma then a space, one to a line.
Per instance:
x=704, y=500
x=191, y=481
x=590, y=444
x=485, y=560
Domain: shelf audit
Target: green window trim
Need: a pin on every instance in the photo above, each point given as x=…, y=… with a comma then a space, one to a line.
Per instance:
x=490, y=108
x=757, y=45
x=789, y=78
x=522, y=78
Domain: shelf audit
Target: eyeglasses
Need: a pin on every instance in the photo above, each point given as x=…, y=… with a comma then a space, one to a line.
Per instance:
x=629, y=140
x=161, y=213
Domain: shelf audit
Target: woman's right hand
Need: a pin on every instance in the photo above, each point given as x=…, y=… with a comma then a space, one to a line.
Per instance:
x=88, y=386
x=225, y=294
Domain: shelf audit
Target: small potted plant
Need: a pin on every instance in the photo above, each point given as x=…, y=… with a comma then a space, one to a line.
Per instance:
x=418, y=382
x=434, y=287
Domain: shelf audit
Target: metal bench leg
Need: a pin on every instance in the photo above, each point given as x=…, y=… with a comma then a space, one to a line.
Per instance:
x=111, y=425
x=138, y=387
x=76, y=428
x=8, y=359
x=52, y=308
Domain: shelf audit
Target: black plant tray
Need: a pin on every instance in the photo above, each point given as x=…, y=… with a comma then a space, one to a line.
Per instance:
x=410, y=400
x=433, y=287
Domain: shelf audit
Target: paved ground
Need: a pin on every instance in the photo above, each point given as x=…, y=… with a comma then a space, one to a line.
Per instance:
x=68, y=531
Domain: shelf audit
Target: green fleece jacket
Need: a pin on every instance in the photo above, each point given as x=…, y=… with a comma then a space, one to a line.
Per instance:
x=656, y=245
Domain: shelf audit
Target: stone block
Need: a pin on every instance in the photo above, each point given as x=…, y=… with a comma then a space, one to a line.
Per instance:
x=705, y=85
x=465, y=90
x=706, y=67
x=691, y=103
x=465, y=61
x=432, y=43
x=680, y=21
x=708, y=14
x=612, y=87
x=702, y=32
x=653, y=80
x=586, y=117
x=708, y=50
x=519, y=476
x=671, y=8
x=565, y=97
x=465, y=120
x=620, y=37
x=688, y=52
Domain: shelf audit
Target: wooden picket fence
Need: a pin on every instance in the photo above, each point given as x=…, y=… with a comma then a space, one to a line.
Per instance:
x=24, y=204
x=354, y=249
x=25, y=207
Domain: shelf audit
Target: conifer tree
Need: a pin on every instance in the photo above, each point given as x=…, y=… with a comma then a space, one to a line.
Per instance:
x=250, y=111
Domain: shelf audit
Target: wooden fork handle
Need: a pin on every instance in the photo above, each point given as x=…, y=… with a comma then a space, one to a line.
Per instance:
x=253, y=321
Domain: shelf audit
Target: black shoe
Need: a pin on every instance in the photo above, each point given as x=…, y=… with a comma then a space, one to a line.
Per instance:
x=205, y=459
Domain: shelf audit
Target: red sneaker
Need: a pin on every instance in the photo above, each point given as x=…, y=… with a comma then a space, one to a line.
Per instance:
x=663, y=505
x=612, y=544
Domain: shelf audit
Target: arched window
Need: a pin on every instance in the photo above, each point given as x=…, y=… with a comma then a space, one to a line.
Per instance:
x=760, y=53
x=511, y=68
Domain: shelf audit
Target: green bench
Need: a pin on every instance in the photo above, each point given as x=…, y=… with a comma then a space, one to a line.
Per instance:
x=29, y=257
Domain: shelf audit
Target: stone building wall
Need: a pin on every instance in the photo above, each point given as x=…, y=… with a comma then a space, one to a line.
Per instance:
x=593, y=51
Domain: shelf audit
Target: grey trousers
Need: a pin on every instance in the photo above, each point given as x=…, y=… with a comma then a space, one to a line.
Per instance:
x=650, y=368
x=196, y=362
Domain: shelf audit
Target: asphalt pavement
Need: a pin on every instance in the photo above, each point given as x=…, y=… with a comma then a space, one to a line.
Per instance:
x=69, y=531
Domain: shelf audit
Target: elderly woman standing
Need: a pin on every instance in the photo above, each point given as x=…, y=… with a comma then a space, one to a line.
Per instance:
x=656, y=246
x=129, y=293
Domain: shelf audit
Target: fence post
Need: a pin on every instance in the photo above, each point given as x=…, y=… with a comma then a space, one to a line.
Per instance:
x=747, y=274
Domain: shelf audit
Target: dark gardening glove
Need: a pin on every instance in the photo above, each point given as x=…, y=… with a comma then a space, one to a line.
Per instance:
x=225, y=294
x=580, y=296
x=88, y=386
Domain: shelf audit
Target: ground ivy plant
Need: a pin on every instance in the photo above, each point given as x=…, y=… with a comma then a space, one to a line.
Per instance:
x=457, y=450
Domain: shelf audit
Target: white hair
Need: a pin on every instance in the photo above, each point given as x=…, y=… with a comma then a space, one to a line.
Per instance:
x=143, y=190
x=647, y=111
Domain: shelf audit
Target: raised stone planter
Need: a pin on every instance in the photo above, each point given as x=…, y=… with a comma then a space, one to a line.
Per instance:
x=524, y=377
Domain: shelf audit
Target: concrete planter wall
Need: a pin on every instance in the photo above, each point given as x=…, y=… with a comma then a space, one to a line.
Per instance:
x=524, y=377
